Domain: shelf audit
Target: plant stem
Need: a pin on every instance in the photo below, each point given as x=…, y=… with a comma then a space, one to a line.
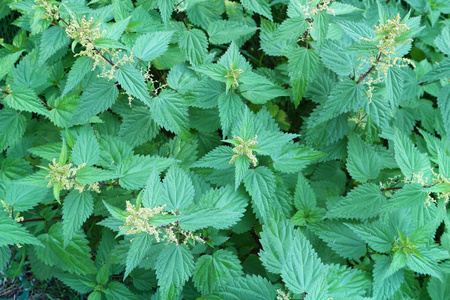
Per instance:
x=361, y=78
x=22, y=259
x=39, y=219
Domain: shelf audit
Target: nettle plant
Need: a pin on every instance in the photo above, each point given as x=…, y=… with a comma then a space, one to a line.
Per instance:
x=218, y=149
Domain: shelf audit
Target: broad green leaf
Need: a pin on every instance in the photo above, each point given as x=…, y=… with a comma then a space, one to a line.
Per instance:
x=82, y=66
x=12, y=127
x=23, y=196
x=444, y=107
x=170, y=111
x=260, y=184
x=439, y=290
x=294, y=158
x=276, y=241
x=13, y=169
x=13, y=233
x=195, y=44
x=98, y=96
x=218, y=158
x=248, y=287
x=88, y=175
x=440, y=71
x=135, y=170
x=173, y=268
x=229, y=104
x=201, y=13
x=394, y=85
x=74, y=258
x=240, y=168
x=346, y=282
x=340, y=238
x=117, y=290
x=202, y=217
x=133, y=82
x=213, y=271
x=320, y=26
x=378, y=235
x=52, y=40
x=138, y=126
x=63, y=110
x=77, y=207
x=442, y=41
x=303, y=268
x=152, y=45
x=23, y=98
x=7, y=62
x=87, y=148
x=224, y=31
x=114, y=150
x=258, y=89
x=409, y=159
x=83, y=284
x=177, y=190
x=363, y=163
x=258, y=6
x=385, y=287
x=140, y=244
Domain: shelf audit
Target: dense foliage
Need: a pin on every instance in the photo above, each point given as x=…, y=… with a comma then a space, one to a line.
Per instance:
x=218, y=149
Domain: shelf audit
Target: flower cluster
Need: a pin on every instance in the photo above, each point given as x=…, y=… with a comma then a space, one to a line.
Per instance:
x=139, y=220
x=65, y=176
x=232, y=76
x=6, y=208
x=51, y=11
x=310, y=10
x=244, y=148
x=283, y=295
x=387, y=35
x=86, y=33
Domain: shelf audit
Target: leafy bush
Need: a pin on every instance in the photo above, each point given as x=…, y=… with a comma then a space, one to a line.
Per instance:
x=218, y=149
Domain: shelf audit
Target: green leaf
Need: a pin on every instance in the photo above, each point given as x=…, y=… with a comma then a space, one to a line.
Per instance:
x=12, y=127
x=340, y=238
x=25, y=99
x=229, y=104
x=258, y=89
x=439, y=290
x=303, y=64
x=213, y=271
x=320, y=26
x=23, y=196
x=170, y=111
x=260, y=184
x=81, y=283
x=98, y=96
x=363, y=163
x=135, y=170
x=444, y=107
x=7, y=62
x=5, y=256
x=386, y=286
x=225, y=31
x=440, y=71
x=74, y=258
x=118, y=291
x=442, y=41
x=344, y=282
x=173, y=268
x=138, y=126
x=258, y=6
x=52, y=40
x=276, y=241
x=133, y=82
x=82, y=66
x=394, y=85
x=63, y=109
x=294, y=158
x=248, y=287
x=13, y=233
x=88, y=175
x=409, y=159
x=77, y=207
x=177, y=190
x=378, y=235
x=140, y=245
x=152, y=45
x=195, y=44
x=218, y=158
x=303, y=268
x=87, y=148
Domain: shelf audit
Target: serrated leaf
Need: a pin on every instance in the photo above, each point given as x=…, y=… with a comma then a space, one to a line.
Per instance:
x=23, y=197
x=348, y=283
x=248, y=287
x=52, y=40
x=229, y=106
x=225, y=31
x=13, y=233
x=258, y=89
x=152, y=45
x=12, y=127
x=135, y=170
x=259, y=6
x=74, y=258
x=23, y=98
x=138, y=126
x=443, y=102
x=260, y=184
x=140, y=244
x=394, y=85
x=385, y=287
x=133, y=82
x=340, y=238
x=88, y=175
x=82, y=66
x=378, y=235
x=7, y=62
x=294, y=158
x=212, y=271
x=86, y=149
x=177, y=190
x=218, y=158
x=303, y=268
x=363, y=163
x=195, y=44
x=98, y=96
x=170, y=111
x=173, y=268
x=409, y=159
x=77, y=207
x=442, y=41
x=81, y=283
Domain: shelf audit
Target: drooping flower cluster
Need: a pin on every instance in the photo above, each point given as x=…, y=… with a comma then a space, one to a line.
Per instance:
x=139, y=220
x=6, y=208
x=85, y=32
x=310, y=10
x=244, y=148
x=387, y=35
x=65, y=176
x=51, y=10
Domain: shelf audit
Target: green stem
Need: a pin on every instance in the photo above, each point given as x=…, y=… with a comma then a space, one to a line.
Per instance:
x=22, y=260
